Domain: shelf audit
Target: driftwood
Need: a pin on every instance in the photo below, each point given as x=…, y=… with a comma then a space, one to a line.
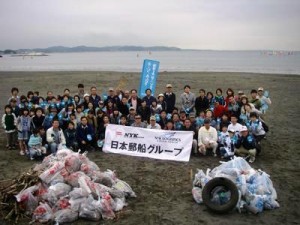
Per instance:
x=10, y=209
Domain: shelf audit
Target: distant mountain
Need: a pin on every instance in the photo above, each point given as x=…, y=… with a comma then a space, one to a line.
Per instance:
x=98, y=49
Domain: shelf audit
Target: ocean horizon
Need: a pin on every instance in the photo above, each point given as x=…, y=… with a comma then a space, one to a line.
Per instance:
x=271, y=62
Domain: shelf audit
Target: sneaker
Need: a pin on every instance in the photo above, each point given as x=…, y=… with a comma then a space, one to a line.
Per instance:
x=215, y=155
x=31, y=158
x=22, y=153
x=252, y=159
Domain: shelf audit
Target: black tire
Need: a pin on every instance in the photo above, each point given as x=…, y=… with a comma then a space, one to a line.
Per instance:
x=226, y=184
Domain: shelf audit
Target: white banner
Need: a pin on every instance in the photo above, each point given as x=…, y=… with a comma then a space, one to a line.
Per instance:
x=157, y=144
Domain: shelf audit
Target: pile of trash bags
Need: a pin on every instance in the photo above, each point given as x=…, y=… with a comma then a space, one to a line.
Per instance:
x=71, y=187
x=255, y=188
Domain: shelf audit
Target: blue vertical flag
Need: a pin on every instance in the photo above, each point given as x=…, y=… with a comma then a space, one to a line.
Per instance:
x=148, y=76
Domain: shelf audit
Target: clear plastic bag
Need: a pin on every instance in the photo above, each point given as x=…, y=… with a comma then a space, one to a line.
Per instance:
x=102, y=178
x=43, y=213
x=56, y=191
x=48, y=174
x=237, y=163
x=197, y=194
x=62, y=203
x=27, y=199
x=75, y=204
x=73, y=178
x=65, y=216
x=72, y=163
x=23, y=195
x=84, y=184
x=241, y=184
x=77, y=193
x=42, y=191
x=270, y=202
x=124, y=187
x=90, y=209
x=201, y=179
x=89, y=168
x=120, y=203
x=107, y=206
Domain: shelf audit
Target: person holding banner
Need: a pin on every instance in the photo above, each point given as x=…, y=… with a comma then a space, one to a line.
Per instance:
x=207, y=138
x=187, y=100
x=188, y=127
x=153, y=124
x=138, y=122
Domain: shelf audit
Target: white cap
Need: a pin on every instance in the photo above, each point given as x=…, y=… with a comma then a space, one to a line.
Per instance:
x=244, y=128
x=260, y=89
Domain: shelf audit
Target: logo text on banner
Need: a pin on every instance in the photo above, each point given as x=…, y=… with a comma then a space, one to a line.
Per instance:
x=156, y=144
x=148, y=76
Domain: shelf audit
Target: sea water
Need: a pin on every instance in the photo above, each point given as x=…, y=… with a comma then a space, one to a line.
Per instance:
x=184, y=60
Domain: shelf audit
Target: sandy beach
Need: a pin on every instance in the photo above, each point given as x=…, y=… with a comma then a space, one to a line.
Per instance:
x=163, y=188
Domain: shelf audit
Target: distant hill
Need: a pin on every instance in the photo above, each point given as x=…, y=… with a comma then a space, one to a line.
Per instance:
x=97, y=49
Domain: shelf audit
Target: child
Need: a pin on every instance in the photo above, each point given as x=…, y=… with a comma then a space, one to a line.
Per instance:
x=229, y=140
x=9, y=122
x=42, y=134
x=256, y=129
x=38, y=119
x=23, y=124
x=79, y=113
x=200, y=119
x=35, y=145
x=222, y=135
x=73, y=119
x=70, y=135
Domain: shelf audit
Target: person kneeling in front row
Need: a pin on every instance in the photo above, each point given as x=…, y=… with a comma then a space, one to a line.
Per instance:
x=246, y=145
x=55, y=136
x=207, y=138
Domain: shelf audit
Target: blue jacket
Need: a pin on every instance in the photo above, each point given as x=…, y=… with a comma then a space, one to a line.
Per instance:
x=247, y=142
x=95, y=100
x=149, y=100
x=82, y=132
x=34, y=140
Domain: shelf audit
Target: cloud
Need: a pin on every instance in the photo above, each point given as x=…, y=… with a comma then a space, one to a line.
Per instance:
x=215, y=24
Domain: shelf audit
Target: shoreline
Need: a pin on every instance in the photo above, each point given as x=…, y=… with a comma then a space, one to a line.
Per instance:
x=74, y=72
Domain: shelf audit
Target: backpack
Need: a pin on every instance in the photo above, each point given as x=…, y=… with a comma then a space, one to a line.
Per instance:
x=265, y=126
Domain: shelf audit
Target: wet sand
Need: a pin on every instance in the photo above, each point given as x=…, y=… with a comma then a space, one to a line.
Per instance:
x=164, y=188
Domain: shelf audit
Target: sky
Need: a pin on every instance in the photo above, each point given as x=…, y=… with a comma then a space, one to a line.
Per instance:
x=188, y=24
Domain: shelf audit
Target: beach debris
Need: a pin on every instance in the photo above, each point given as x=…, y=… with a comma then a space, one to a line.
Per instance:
x=62, y=189
x=255, y=188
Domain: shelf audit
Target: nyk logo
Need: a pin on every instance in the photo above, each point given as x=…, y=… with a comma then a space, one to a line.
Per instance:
x=132, y=135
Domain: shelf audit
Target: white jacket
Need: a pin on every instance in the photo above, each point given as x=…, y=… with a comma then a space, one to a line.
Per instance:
x=205, y=136
x=50, y=136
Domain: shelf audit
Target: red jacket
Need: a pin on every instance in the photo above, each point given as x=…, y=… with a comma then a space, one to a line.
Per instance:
x=219, y=111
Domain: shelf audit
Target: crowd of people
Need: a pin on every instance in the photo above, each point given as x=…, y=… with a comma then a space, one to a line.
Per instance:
x=222, y=125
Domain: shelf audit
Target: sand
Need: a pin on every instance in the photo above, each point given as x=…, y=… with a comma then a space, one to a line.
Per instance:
x=164, y=188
